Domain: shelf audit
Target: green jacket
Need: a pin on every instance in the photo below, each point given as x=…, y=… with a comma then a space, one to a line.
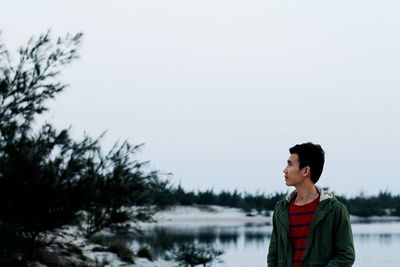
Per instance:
x=330, y=239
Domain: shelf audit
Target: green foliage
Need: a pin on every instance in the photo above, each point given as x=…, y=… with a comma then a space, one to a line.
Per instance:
x=34, y=79
x=167, y=195
x=226, y=198
x=119, y=184
x=43, y=184
x=98, y=239
x=144, y=252
x=163, y=193
x=385, y=203
x=190, y=254
x=10, y=252
x=40, y=181
x=122, y=251
x=117, y=247
x=47, y=179
x=206, y=198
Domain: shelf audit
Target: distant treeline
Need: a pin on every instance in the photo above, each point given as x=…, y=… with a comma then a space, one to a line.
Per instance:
x=166, y=195
x=384, y=203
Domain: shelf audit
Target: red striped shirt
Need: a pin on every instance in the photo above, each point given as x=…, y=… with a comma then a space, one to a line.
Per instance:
x=300, y=218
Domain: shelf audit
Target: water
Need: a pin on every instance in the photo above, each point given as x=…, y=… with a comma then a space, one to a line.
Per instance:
x=376, y=244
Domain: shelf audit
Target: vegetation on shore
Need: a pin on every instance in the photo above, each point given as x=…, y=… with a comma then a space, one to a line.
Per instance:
x=166, y=194
x=49, y=180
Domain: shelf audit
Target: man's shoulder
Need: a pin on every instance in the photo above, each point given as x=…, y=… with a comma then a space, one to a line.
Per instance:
x=334, y=201
x=334, y=205
x=280, y=204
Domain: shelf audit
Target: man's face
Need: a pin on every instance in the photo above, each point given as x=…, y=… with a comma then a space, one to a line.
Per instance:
x=293, y=174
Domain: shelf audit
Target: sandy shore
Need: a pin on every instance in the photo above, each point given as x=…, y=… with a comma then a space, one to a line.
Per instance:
x=199, y=215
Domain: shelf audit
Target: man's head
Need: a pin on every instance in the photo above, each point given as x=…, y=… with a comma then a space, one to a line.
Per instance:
x=312, y=156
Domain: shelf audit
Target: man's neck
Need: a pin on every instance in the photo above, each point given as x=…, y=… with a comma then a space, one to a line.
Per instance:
x=306, y=193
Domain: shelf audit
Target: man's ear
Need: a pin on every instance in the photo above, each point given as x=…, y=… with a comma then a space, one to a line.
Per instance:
x=306, y=171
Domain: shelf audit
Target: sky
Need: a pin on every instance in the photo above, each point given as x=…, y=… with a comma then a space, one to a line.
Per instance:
x=219, y=90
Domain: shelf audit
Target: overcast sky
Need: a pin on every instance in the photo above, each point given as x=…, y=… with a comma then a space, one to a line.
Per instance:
x=219, y=90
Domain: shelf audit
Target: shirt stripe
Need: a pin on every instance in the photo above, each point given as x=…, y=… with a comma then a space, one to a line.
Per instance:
x=298, y=237
x=301, y=213
x=300, y=225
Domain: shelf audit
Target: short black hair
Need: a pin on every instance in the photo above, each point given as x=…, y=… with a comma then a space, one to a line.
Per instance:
x=311, y=155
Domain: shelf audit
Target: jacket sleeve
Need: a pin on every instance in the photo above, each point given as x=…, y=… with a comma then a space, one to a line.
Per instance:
x=343, y=239
x=272, y=257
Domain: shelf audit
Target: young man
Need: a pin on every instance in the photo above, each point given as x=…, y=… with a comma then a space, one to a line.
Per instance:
x=310, y=226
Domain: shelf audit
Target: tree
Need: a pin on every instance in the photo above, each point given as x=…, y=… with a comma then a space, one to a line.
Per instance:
x=48, y=179
x=206, y=198
x=34, y=79
x=120, y=185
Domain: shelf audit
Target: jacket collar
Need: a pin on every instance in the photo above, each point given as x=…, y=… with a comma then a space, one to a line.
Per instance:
x=323, y=195
x=323, y=208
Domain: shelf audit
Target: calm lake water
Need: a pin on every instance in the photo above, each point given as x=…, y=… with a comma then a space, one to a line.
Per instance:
x=377, y=244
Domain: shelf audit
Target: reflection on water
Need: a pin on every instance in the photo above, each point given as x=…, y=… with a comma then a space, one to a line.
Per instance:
x=162, y=238
x=376, y=243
